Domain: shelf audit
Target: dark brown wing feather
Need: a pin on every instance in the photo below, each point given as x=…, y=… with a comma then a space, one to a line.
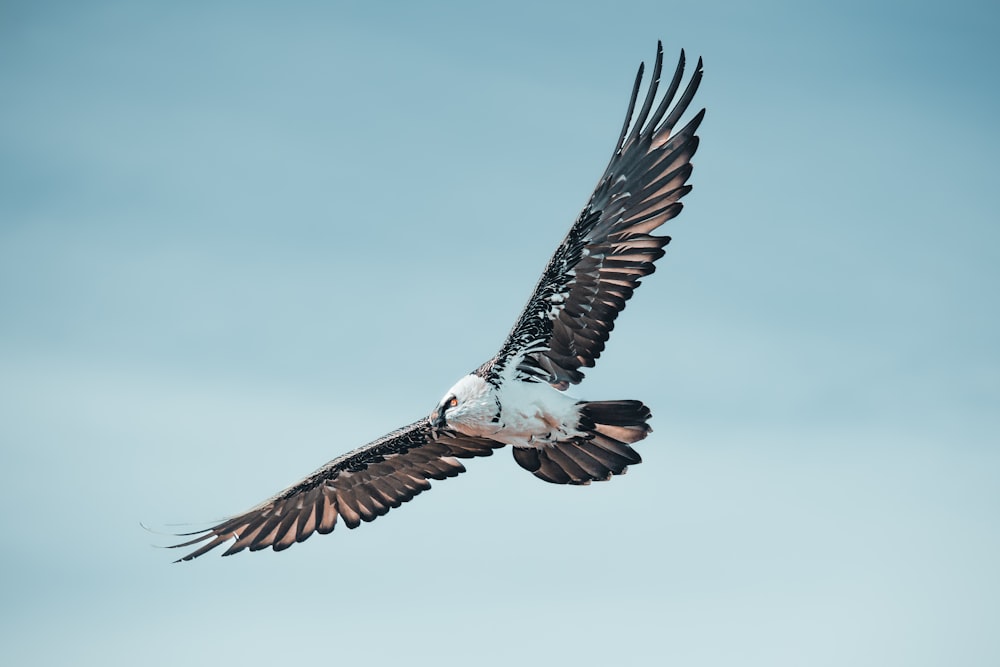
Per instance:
x=599, y=264
x=359, y=486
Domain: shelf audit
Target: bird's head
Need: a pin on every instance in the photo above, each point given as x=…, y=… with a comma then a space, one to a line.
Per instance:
x=439, y=418
x=462, y=404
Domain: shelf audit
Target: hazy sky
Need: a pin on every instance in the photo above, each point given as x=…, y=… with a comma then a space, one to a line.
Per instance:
x=239, y=239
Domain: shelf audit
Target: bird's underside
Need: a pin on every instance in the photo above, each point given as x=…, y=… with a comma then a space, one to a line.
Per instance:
x=517, y=398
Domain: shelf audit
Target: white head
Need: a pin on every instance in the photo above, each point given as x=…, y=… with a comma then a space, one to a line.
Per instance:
x=467, y=404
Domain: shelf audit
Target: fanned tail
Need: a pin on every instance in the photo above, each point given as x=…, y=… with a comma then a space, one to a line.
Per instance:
x=611, y=426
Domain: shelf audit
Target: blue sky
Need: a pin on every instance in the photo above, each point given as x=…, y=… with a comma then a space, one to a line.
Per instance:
x=237, y=240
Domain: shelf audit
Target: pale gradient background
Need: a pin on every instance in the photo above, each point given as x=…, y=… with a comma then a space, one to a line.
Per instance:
x=238, y=240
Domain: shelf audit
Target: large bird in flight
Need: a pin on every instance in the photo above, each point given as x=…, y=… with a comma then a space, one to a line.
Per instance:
x=518, y=397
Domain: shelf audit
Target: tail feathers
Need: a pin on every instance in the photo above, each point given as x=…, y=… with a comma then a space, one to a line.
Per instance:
x=624, y=421
x=611, y=427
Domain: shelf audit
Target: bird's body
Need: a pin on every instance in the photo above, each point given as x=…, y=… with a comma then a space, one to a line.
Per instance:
x=518, y=397
x=522, y=414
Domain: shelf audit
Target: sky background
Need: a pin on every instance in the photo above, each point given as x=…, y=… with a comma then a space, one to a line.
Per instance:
x=238, y=239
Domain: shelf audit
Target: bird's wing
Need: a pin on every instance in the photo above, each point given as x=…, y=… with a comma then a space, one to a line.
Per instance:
x=598, y=265
x=358, y=486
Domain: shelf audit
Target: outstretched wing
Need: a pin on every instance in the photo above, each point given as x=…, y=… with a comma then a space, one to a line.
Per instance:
x=598, y=265
x=358, y=486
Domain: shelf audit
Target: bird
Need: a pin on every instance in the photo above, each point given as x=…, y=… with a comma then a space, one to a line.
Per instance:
x=518, y=398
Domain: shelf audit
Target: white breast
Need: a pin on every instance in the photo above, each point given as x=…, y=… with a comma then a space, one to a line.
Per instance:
x=526, y=414
x=533, y=414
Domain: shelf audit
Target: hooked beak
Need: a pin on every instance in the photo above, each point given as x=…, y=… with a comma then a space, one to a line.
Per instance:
x=437, y=418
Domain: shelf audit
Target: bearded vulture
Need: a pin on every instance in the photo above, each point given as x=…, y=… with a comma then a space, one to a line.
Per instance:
x=518, y=397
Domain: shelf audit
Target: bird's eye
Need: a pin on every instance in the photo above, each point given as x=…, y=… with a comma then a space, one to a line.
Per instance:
x=453, y=402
